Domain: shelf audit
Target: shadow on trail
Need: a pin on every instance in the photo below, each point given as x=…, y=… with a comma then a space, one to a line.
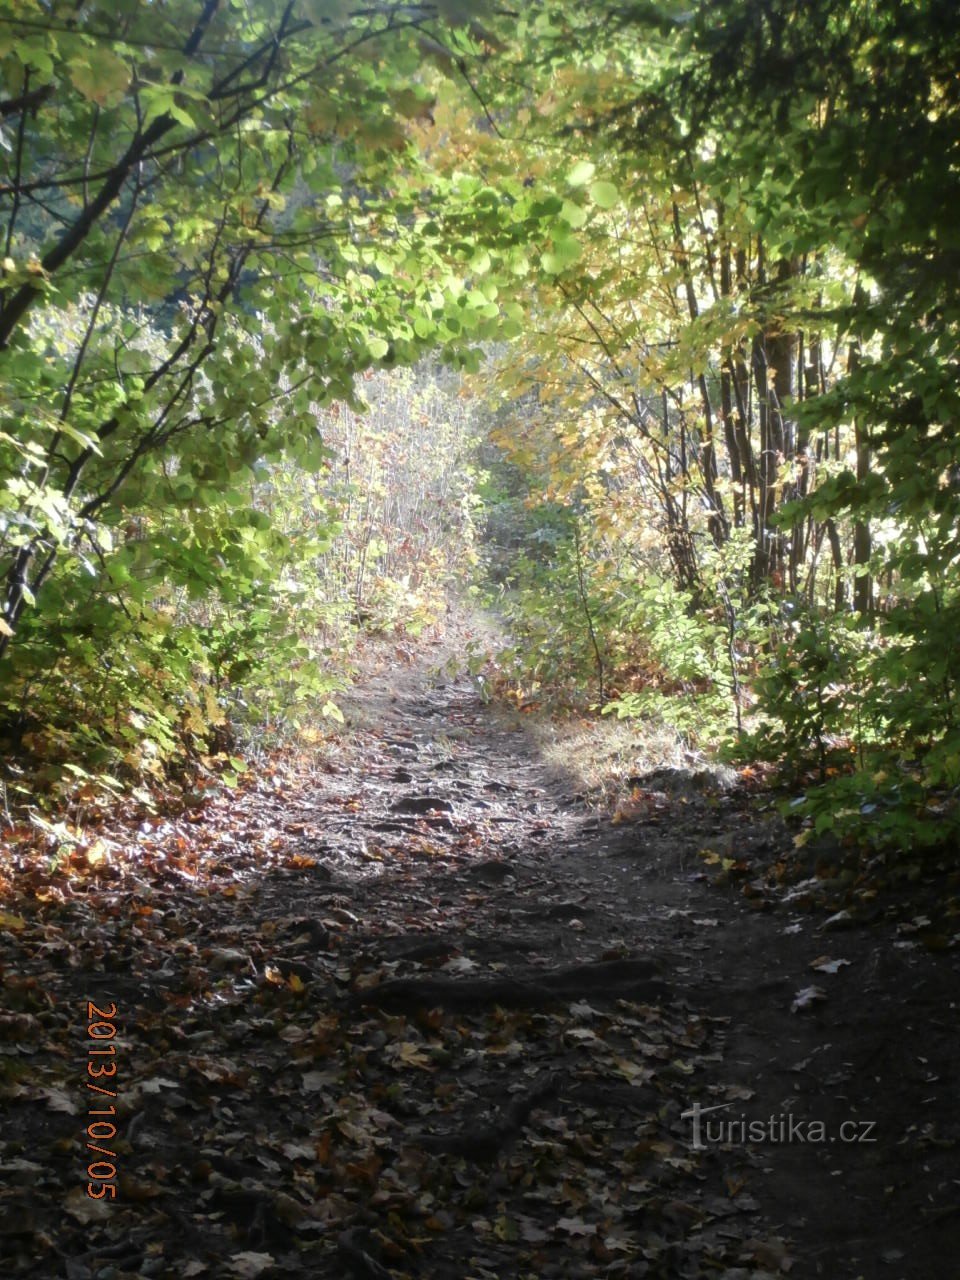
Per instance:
x=456, y=1028
x=568, y=991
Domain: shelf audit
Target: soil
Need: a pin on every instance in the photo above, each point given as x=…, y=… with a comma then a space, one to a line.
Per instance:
x=419, y=1010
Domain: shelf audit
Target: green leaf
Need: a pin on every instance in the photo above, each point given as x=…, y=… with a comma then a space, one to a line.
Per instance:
x=565, y=252
x=160, y=100
x=581, y=173
x=604, y=194
x=574, y=215
x=32, y=53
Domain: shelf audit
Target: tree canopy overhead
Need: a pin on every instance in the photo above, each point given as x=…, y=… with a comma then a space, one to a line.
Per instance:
x=758, y=373
x=212, y=171
x=215, y=218
x=593, y=358
x=718, y=242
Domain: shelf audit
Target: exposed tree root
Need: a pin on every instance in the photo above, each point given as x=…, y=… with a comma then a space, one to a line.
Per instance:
x=618, y=979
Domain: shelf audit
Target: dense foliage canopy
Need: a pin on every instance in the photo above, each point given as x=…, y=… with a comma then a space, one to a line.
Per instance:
x=710, y=253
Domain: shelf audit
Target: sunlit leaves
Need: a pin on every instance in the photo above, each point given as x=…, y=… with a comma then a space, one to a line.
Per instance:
x=100, y=76
x=210, y=307
x=604, y=194
x=564, y=252
x=581, y=173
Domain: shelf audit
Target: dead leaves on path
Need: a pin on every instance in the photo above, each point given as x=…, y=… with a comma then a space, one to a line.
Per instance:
x=274, y=1119
x=261, y=1123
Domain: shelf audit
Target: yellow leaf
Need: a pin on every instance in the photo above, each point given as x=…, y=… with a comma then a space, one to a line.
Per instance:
x=100, y=76
x=97, y=853
x=212, y=708
x=410, y=1055
x=632, y=1071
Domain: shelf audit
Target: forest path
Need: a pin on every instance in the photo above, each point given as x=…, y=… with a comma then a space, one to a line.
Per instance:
x=609, y=986
x=413, y=1010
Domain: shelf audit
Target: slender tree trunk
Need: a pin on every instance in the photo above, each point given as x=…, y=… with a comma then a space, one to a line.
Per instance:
x=862, y=540
x=774, y=366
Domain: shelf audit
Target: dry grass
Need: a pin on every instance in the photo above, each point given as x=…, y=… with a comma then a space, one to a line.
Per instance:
x=591, y=755
x=600, y=755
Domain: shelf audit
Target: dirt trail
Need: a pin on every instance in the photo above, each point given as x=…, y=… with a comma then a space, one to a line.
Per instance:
x=453, y=1030
x=549, y=890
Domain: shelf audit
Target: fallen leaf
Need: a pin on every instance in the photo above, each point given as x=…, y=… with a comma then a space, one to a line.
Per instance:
x=85, y=1209
x=136, y=1190
x=156, y=1084
x=576, y=1227
x=632, y=1071
x=806, y=997
x=840, y=920
x=738, y=1093
x=823, y=964
x=297, y=1151
x=409, y=1054
x=248, y=1265
x=58, y=1100
x=769, y=1253
x=313, y=1081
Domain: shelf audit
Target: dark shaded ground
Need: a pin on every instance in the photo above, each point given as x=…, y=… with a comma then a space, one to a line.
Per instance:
x=422, y=1014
